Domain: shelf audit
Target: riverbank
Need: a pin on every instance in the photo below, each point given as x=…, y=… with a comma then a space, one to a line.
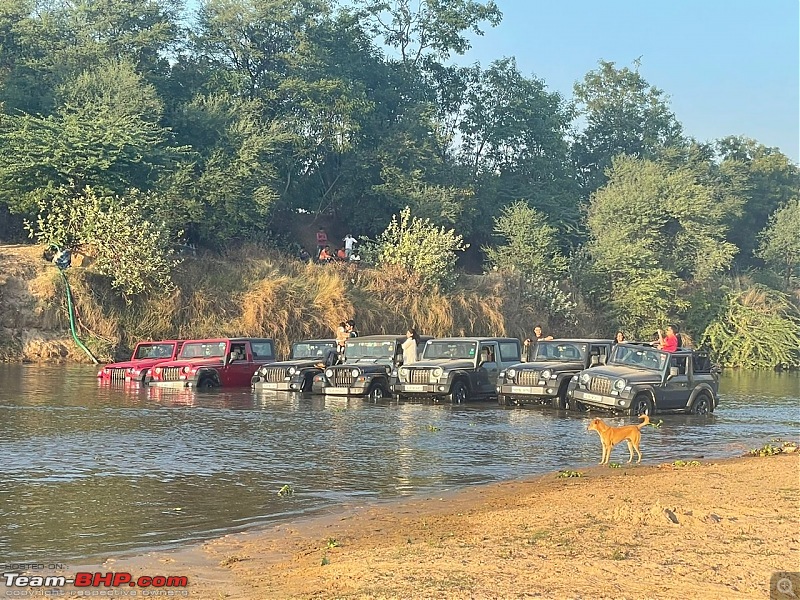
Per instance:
x=711, y=530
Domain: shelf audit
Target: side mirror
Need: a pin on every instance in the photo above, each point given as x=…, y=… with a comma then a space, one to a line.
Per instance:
x=673, y=372
x=226, y=359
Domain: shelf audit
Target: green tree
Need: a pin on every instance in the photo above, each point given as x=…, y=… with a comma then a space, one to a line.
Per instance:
x=129, y=245
x=653, y=229
x=765, y=179
x=780, y=241
x=105, y=133
x=622, y=114
x=759, y=329
x=427, y=28
x=417, y=246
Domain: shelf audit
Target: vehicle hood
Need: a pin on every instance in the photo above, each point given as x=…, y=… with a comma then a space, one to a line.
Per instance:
x=143, y=363
x=553, y=365
x=368, y=365
x=299, y=362
x=632, y=374
x=443, y=363
x=187, y=362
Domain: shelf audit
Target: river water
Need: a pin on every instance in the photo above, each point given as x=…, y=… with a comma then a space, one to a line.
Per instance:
x=91, y=471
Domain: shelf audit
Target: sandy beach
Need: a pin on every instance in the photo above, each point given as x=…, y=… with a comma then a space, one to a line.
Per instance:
x=696, y=530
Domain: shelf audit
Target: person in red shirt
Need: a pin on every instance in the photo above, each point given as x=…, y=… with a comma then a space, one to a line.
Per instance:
x=341, y=254
x=322, y=241
x=668, y=342
x=325, y=254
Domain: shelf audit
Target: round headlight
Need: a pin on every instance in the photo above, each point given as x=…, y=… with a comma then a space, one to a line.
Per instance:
x=403, y=372
x=355, y=372
x=292, y=370
x=546, y=374
x=185, y=369
x=262, y=371
x=438, y=371
x=328, y=372
x=157, y=370
x=619, y=385
x=511, y=373
x=584, y=378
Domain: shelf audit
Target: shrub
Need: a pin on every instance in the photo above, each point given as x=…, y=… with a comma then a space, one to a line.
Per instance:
x=419, y=247
x=135, y=251
x=760, y=329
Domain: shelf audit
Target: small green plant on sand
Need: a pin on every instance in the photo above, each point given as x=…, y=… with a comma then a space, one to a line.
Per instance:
x=332, y=543
x=614, y=465
x=765, y=450
x=565, y=474
x=325, y=560
x=286, y=490
x=686, y=463
x=619, y=555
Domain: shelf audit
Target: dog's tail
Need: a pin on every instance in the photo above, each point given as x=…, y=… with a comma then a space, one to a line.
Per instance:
x=646, y=421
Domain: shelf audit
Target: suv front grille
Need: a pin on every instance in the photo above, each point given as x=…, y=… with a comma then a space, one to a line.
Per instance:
x=600, y=385
x=171, y=373
x=526, y=377
x=274, y=374
x=419, y=375
x=117, y=374
x=342, y=378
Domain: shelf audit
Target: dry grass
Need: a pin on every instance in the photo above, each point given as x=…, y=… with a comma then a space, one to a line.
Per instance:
x=253, y=292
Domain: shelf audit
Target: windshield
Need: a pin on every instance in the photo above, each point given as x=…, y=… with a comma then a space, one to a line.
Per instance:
x=634, y=356
x=369, y=349
x=153, y=351
x=450, y=350
x=203, y=350
x=559, y=351
x=312, y=349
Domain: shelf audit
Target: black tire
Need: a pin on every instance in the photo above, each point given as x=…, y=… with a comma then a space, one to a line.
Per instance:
x=577, y=406
x=642, y=405
x=702, y=405
x=459, y=393
x=378, y=392
x=207, y=383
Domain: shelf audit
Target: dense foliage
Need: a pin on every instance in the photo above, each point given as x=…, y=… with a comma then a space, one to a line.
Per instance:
x=243, y=117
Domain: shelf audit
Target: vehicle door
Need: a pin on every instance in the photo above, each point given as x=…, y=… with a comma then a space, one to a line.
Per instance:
x=677, y=387
x=240, y=367
x=488, y=368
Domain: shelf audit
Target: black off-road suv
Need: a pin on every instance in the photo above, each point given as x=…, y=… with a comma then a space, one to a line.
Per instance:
x=368, y=368
x=640, y=379
x=457, y=369
x=296, y=373
x=544, y=380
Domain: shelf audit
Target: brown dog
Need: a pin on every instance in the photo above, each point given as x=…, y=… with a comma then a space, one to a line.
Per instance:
x=611, y=436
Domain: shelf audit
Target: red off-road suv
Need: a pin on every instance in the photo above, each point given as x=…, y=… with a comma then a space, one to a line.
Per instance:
x=145, y=356
x=219, y=362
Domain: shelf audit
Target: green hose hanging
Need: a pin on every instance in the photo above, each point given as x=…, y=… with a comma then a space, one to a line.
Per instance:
x=72, y=318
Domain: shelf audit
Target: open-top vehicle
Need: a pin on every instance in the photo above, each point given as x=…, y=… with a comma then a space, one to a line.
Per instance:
x=145, y=356
x=370, y=362
x=211, y=363
x=545, y=378
x=295, y=374
x=640, y=379
x=457, y=369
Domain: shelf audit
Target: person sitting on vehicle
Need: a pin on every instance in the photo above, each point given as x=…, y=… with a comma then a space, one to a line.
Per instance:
x=668, y=342
x=619, y=338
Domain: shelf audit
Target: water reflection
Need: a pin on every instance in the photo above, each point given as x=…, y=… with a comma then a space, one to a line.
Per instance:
x=95, y=469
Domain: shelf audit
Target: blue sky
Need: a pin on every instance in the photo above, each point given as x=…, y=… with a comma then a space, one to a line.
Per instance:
x=730, y=67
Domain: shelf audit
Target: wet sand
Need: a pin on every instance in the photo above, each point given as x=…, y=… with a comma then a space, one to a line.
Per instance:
x=708, y=530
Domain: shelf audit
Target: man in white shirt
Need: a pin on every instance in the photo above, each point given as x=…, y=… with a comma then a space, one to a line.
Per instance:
x=349, y=241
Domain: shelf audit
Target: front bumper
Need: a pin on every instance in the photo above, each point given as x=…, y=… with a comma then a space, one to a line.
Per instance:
x=533, y=393
x=177, y=385
x=421, y=389
x=610, y=402
x=282, y=386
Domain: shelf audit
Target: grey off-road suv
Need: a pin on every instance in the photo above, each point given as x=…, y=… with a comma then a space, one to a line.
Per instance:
x=545, y=378
x=640, y=379
x=457, y=369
